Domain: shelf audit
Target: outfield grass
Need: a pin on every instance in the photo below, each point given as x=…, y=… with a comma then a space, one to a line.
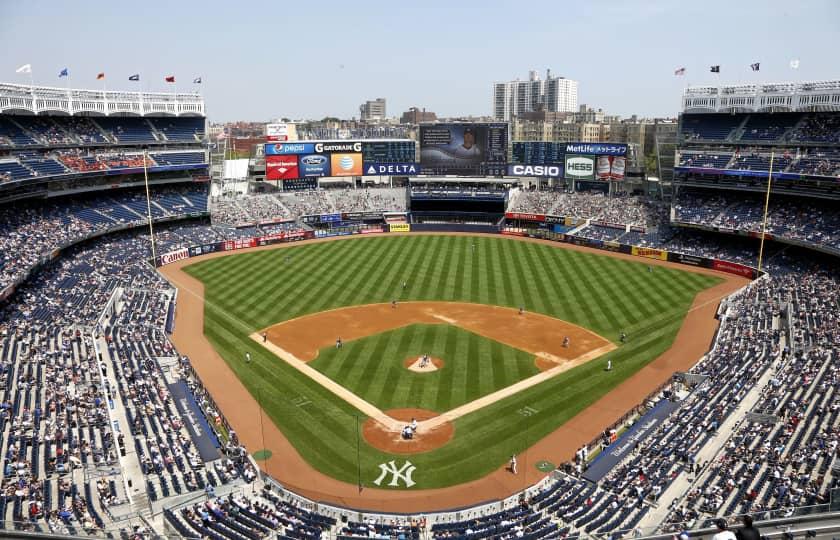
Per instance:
x=474, y=366
x=253, y=290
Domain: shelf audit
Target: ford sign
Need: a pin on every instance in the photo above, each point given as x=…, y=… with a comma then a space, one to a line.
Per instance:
x=554, y=171
x=314, y=165
x=313, y=160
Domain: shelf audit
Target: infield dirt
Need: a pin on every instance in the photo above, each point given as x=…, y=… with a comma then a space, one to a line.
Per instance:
x=289, y=467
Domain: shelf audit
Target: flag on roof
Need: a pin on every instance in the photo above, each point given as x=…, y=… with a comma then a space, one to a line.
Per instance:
x=755, y=66
x=794, y=64
x=170, y=78
x=25, y=68
x=197, y=80
x=100, y=76
x=64, y=73
x=680, y=71
x=135, y=77
x=715, y=69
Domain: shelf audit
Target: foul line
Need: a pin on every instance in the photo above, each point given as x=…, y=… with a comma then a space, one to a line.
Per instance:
x=394, y=425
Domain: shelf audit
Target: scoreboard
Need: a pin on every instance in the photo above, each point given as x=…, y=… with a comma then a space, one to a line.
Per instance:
x=388, y=151
x=537, y=153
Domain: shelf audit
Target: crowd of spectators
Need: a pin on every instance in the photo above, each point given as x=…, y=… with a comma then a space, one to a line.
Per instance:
x=264, y=208
x=813, y=221
x=614, y=210
x=56, y=427
x=30, y=232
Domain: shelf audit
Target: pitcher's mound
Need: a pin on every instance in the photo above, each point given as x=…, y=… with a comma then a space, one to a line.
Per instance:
x=424, y=440
x=417, y=364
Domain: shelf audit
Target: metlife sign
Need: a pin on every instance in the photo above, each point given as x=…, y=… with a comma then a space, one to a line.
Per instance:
x=379, y=169
x=599, y=149
x=580, y=167
x=550, y=171
x=280, y=149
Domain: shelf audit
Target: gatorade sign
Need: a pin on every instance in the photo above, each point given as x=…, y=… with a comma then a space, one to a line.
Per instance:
x=580, y=167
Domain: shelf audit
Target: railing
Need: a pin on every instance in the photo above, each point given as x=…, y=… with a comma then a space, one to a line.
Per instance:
x=38, y=99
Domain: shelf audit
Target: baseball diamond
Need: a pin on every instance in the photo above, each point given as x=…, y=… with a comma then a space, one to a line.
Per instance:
x=604, y=294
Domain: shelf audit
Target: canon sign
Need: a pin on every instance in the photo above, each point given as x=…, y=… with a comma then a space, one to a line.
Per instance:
x=173, y=256
x=580, y=167
x=535, y=170
x=338, y=147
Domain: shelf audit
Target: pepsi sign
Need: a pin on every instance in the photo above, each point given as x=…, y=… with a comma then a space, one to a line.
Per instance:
x=374, y=169
x=314, y=165
x=278, y=149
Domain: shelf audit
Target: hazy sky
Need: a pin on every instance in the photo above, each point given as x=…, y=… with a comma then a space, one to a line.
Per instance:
x=310, y=59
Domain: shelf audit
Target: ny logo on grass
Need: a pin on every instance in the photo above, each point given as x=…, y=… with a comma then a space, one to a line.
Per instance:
x=403, y=473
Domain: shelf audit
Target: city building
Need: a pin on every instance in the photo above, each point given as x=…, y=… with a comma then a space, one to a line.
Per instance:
x=416, y=116
x=554, y=94
x=372, y=110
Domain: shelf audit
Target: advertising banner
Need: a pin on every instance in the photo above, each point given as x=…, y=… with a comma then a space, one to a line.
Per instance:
x=281, y=167
x=609, y=149
x=314, y=165
x=690, y=260
x=580, y=167
x=734, y=268
x=554, y=170
x=650, y=253
x=346, y=164
x=526, y=217
x=621, y=448
x=279, y=149
x=239, y=243
x=611, y=167
x=276, y=132
x=400, y=227
x=205, y=440
x=340, y=146
x=172, y=256
x=378, y=169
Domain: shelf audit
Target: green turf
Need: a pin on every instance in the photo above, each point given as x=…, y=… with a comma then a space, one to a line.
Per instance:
x=474, y=366
x=253, y=290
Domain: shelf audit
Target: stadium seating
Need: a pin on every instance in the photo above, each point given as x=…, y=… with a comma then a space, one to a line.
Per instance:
x=616, y=210
x=180, y=129
x=709, y=126
x=127, y=130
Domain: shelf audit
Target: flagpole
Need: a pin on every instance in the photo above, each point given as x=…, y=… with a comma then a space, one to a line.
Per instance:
x=149, y=205
x=766, y=206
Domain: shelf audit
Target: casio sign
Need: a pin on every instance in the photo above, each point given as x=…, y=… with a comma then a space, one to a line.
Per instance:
x=535, y=170
x=313, y=160
x=579, y=166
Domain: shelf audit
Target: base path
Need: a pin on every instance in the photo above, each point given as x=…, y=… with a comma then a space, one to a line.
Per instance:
x=289, y=467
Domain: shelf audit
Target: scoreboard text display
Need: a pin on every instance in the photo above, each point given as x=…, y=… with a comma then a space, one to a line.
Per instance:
x=465, y=149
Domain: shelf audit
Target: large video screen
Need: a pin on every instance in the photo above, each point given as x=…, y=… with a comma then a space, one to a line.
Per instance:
x=464, y=149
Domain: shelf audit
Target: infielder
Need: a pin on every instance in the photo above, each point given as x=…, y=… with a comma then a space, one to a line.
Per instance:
x=513, y=464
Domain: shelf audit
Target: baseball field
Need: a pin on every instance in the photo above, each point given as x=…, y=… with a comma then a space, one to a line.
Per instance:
x=501, y=380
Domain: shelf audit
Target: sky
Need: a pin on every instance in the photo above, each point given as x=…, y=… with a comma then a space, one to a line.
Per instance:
x=260, y=60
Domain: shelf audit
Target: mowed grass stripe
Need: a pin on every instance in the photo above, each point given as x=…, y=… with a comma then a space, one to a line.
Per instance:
x=318, y=276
